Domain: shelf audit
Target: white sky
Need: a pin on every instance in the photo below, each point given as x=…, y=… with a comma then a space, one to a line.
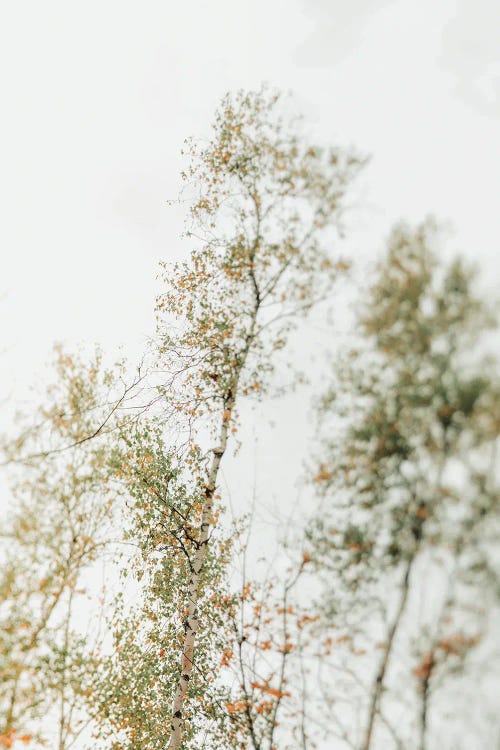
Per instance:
x=98, y=96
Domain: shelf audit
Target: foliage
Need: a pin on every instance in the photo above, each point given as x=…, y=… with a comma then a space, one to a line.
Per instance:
x=58, y=526
x=262, y=204
x=411, y=482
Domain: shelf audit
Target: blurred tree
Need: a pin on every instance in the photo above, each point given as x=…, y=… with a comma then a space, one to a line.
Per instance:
x=59, y=522
x=410, y=515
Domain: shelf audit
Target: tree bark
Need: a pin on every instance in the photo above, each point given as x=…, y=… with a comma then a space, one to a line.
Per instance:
x=381, y=673
x=192, y=620
x=423, y=710
x=194, y=588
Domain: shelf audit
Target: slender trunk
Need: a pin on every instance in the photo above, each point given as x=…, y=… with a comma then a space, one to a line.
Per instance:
x=63, y=723
x=248, y=711
x=417, y=530
x=423, y=710
x=192, y=620
x=9, y=719
x=378, y=686
x=194, y=588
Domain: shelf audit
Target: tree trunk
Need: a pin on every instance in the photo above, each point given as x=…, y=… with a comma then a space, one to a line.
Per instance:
x=194, y=588
x=378, y=686
x=192, y=621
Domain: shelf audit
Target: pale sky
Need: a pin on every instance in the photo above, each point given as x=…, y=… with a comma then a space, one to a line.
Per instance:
x=98, y=96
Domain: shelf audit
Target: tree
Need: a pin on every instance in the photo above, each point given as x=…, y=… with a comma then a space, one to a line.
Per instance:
x=262, y=208
x=57, y=528
x=410, y=488
x=263, y=202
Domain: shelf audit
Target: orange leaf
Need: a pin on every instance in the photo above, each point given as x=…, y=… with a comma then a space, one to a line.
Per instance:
x=424, y=670
x=270, y=690
x=236, y=707
x=246, y=591
x=323, y=475
x=226, y=657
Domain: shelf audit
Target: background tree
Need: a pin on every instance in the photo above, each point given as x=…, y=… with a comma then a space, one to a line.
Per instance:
x=410, y=514
x=59, y=523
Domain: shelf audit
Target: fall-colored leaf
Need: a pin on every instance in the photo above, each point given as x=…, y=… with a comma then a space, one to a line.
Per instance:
x=226, y=657
x=236, y=707
x=270, y=690
x=323, y=475
x=424, y=670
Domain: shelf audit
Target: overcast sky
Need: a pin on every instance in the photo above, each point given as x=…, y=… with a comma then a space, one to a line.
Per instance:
x=98, y=96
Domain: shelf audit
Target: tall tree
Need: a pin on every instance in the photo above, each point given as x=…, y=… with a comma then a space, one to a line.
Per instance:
x=410, y=487
x=263, y=204
x=263, y=201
